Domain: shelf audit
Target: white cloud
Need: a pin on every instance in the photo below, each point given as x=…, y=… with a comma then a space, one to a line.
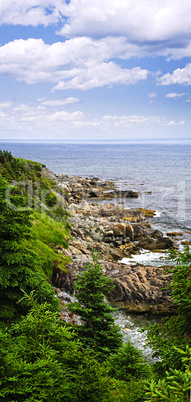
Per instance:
x=30, y=12
x=137, y=20
x=128, y=120
x=174, y=123
x=37, y=121
x=4, y=105
x=155, y=27
x=59, y=102
x=179, y=76
x=65, y=116
x=100, y=75
x=20, y=117
x=78, y=63
x=138, y=27
x=21, y=108
x=175, y=95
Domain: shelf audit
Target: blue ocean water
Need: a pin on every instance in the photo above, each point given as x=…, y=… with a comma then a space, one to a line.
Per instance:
x=160, y=172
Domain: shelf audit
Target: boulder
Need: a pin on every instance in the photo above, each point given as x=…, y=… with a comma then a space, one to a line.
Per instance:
x=129, y=232
x=119, y=230
x=138, y=289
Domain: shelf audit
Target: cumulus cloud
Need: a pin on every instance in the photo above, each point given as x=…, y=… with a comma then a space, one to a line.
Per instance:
x=30, y=12
x=138, y=27
x=158, y=27
x=78, y=63
x=137, y=20
x=100, y=75
x=179, y=76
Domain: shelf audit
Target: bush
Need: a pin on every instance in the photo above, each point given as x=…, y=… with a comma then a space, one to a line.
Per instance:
x=128, y=364
x=41, y=362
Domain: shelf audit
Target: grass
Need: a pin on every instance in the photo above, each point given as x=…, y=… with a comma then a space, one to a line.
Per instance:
x=46, y=235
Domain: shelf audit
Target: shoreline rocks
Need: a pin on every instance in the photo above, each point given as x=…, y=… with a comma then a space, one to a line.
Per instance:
x=115, y=232
x=138, y=289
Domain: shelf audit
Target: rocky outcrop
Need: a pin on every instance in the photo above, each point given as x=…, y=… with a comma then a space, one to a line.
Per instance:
x=138, y=289
x=115, y=232
x=77, y=189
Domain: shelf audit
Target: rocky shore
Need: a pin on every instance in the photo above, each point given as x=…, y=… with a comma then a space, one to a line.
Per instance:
x=100, y=222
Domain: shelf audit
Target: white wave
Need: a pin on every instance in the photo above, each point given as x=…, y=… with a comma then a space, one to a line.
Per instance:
x=157, y=214
x=146, y=258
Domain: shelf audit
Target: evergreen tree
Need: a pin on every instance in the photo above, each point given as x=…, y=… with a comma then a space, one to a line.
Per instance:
x=175, y=386
x=128, y=363
x=41, y=361
x=98, y=329
x=19, y=269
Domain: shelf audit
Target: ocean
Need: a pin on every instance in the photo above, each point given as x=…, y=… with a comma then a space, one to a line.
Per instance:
x=160, y=172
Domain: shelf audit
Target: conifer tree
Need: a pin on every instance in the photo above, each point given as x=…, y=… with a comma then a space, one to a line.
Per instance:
x=98, y=329
x=40, y=361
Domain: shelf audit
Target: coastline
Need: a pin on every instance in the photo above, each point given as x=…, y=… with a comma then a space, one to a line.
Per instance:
x=99, y=222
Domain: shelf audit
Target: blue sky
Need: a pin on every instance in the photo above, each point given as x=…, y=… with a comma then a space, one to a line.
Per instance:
x=95, y=69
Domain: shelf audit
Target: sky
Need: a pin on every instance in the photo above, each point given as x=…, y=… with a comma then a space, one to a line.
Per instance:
x=95, y=70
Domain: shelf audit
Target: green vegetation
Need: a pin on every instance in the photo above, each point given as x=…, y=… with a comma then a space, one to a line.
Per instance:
x=176, y=329
x=40, y=361
x=21, y=169
x=19, y=267
x=27, y=240
x=128, y=364
x=47, y=235
x=45, y=359
x=98, y=330
x=172, y=340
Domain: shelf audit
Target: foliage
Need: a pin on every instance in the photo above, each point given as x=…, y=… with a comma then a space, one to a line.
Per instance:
x=181, y=288
x=19, y=268
x=176, y=386
x=127, y=364
x=47, y=235
x=51, y=200
x=40, y=361
x=27, y=179
x=176, y=329
x=98, y=330
x=49, y=231
x=21, y=169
